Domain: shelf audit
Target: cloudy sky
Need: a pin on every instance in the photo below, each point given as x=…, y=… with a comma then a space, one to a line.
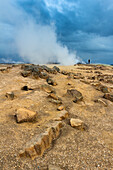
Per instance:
x=40, y=30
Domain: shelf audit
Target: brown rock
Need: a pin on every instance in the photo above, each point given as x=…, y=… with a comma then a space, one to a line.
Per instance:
x=76, y=123
x=64, y=72
x=62, y=115
x=47, y=88
x=60, y=108
x=26, y=73
x=75, y=94
x=10, y=95
x=102, y=102
x=43, y=141
x=35, y=75
x=25, y=115
x=30, y=152
x=51, y=82
x=43, y=75
x=102, y=88
x=55, y=101
x=53, y=96
x=108, y=96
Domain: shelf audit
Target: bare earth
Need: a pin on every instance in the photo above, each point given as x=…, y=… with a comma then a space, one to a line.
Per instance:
x=74, y=149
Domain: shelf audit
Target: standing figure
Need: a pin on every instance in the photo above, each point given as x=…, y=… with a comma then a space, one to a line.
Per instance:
x=89, y=61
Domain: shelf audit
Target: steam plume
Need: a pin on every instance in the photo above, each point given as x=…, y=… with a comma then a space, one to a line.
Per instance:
x=38, y=44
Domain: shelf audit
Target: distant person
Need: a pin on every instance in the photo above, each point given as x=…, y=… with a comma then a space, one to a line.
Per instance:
x=89, y=61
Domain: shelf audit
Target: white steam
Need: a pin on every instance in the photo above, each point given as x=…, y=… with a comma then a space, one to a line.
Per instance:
x=38, y=44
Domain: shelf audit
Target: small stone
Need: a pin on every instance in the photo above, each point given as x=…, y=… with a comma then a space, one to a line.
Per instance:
x=25, y=88
x=108, y=96
x=64, y=72
x=26, y=73
x=60, y=108
x=103, y=102
x=10, y=95
x=62, y=115
x=25, y=115
x=76, y=122
x=55, y=101
x=54, y=96
x=48, y=88
x=51, y=82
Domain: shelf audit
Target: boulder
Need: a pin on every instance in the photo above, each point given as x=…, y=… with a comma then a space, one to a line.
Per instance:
x=25, y=115
x=56, y=68
x=26, y=73
x=75, y=94
x=103, y=88
x=48, y=88
x=43, y=75
x=49, y=70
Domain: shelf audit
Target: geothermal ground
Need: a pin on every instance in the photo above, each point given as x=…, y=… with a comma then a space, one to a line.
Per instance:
x=56, y=118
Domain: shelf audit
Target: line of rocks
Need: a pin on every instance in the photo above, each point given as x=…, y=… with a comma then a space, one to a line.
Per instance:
x=37, y=71
x=43, y=142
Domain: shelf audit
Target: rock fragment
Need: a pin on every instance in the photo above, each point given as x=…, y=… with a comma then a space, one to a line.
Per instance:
x=54, y=96
x=62, y=115
x=26, y=73
x=25, y=115
x=43, y=141
x=108, y=96
x=48, y=88
x=25, y=88
x=101, y=87
x=102, y=102
x=43, y=75
x=56, y=68
x=76, y=122
x=64, y=72
x=51, y=82
x=61, y=107
x=55, y=101
x=75, y=94
x=10, y=95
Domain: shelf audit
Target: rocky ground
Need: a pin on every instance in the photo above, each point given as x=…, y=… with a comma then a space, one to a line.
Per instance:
x=56, y=117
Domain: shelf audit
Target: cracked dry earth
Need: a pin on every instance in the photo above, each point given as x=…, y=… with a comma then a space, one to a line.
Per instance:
x=73, y=149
